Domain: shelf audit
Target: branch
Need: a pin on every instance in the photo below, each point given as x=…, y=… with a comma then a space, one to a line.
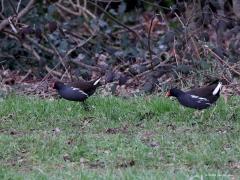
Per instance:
x=23, y=12
x=149, y=41
x=93, y=68
x=24, y=44
x=73, y=12
x=12, y=6
x=18, y=6
x=79, y=45
x=221, y=60
x=116, y=21
x=62, y=60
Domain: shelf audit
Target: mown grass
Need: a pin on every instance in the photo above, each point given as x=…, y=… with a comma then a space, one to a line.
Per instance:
x=138, y=138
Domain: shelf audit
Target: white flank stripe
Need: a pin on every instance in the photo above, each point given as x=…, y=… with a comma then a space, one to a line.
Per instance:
x=197, y=97
x=96, y=82
x=76, y=89
x=217, y=89
x=193, y=96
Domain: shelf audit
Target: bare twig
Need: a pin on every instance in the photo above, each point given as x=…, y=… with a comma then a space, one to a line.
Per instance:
x=12, y=6
x=195, y=47
x=155, y=5
x=24, y=44
x=58, y=54
x=33, y=51
x=162, y=64
x=75, y=13
x=116, y=21
x=183, y=25
x=23, y=12
x=87, y=66
x=25, y=76
x=2, y=6
x=149, y=41
x=47, y=75
x=221, y=60
x=18, y=6
x=52, y=72
x=106, y=7
x=78, y=5
x=174, y=51
x=40, y=46
x=79, y=45
x=12, y=25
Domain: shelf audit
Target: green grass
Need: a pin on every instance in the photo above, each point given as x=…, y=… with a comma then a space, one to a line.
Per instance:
x=138, y=138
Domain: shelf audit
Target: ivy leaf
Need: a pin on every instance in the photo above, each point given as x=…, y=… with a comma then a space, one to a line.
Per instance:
x=122, y=8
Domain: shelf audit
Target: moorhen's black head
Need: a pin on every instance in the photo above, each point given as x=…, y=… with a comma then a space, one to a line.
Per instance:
x=58, y=85
x=174, y=92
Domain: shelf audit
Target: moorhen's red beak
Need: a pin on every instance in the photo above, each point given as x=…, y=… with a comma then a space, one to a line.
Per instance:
x=168, y=94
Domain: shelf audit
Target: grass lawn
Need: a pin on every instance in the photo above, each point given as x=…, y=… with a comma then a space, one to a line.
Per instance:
x=138, y=138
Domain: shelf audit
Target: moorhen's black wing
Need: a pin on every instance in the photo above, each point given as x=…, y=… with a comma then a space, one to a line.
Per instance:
x=210, y=92
x=193, y=101
x=72, y=94
x=204, y=91
x=89, y=87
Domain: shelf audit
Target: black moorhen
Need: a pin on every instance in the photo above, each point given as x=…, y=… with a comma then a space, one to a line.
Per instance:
x=77, y=91
x=199, y=98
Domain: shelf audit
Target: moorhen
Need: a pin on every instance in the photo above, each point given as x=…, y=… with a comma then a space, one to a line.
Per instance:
x=199, y=98
x=77, y=91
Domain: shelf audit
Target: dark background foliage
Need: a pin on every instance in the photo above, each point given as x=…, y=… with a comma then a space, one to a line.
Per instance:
x=137, y=45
